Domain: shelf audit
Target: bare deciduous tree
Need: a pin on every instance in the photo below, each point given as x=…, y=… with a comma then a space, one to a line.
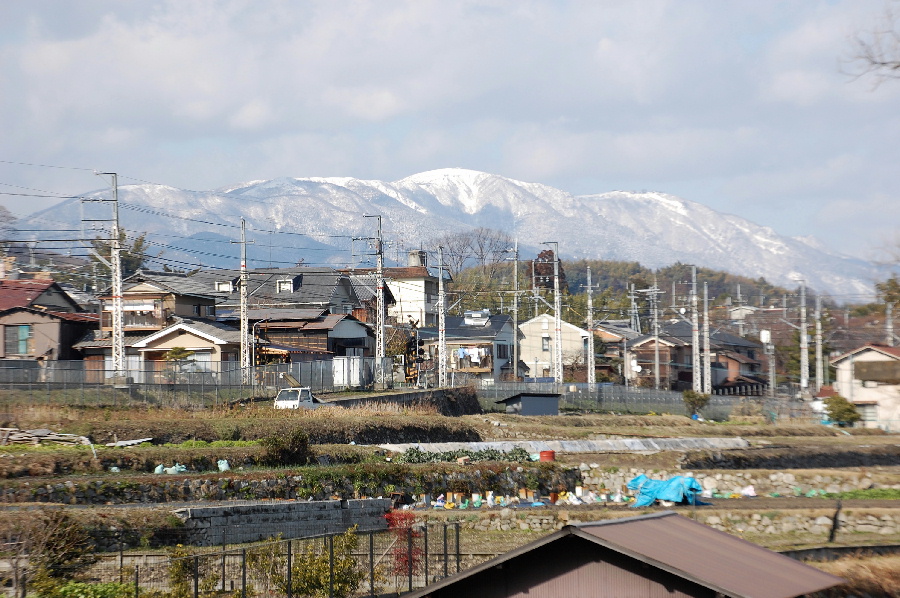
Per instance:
x=877, y=51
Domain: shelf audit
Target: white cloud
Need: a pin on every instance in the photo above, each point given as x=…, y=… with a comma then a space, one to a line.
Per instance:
x=736, y=105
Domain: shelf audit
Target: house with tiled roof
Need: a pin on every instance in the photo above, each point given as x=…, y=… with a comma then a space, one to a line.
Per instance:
x=735, y=361
x=153, y=300
x=38, y=334
x=414, y=288
x=537, y=342
x=479, y=346
x=869, y=377
x=282, y=288
x=42, y=294
x=40, y=321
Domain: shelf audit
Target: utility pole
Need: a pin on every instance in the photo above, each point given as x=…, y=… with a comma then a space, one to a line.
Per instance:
x=766, y=337
x=557, y=308
x=819, y=364
x=442, y=323
x=591, y=370
x=633, y=310
x=707, y=366
x=804, y=340
x=889, y=323
x=379, y=303
x=516, y=313
x=654, y=304
x=740, y=304
x=118, y=327
x=115, y=266
x=246, y=345
x=695, y=334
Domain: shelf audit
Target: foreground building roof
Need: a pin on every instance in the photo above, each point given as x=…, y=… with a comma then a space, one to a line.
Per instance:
x=657, y=554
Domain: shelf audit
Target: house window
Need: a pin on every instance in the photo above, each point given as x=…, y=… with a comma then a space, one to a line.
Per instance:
x=284, y=286
x=502, y=351
x=19, y=340
x=869, y=412
x=196, y=310
x=545, y=343
x=210, y=310
x=224, y=287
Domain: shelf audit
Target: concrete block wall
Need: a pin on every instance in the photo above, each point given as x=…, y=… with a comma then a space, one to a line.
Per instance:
x=215, y=525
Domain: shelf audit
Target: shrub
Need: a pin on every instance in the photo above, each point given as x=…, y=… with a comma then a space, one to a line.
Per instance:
x=77, y=589
x=694, y=401
x=841, y=410
x=310, y=571
x=286, y=447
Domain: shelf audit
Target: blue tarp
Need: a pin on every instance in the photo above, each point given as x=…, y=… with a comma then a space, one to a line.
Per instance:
x=680, y=489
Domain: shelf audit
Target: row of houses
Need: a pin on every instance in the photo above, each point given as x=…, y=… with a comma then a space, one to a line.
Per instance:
x=306, y=314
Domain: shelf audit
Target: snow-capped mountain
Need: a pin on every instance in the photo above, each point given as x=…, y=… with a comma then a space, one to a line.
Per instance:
x=322, y=219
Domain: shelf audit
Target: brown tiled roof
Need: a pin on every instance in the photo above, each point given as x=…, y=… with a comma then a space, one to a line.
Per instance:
x=21, y=293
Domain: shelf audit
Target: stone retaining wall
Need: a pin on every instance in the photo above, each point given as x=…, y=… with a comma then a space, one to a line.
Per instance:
x=214, y=526
x=785, y=483
x=151, y=489
x=816, y=523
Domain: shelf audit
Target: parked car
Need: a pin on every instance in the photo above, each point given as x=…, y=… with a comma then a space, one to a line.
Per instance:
x=296, y=398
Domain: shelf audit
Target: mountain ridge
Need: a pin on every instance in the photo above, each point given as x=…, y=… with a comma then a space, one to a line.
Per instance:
x=653, y=228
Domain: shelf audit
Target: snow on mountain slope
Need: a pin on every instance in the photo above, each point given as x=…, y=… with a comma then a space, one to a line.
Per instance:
x=315, y=218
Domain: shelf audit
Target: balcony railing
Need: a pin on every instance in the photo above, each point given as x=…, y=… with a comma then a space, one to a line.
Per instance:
x=134, y=321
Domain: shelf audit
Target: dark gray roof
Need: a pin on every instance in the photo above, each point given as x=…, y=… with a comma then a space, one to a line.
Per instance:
x=225, y=332
x=272, y=313
x=101, y=339
x=366, y=285
x=680, y=333
x=171, y=282
x=314, y=286
x=457, y=329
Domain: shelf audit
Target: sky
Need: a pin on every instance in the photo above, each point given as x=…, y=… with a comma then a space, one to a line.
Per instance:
x=750, y=107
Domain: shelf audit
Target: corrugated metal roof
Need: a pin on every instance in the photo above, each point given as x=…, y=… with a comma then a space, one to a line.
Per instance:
x=677, y=545
x=21, y=293
x=709, y=557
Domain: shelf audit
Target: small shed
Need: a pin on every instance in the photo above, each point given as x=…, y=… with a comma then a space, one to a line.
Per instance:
x=655, y=555
x=532, y=403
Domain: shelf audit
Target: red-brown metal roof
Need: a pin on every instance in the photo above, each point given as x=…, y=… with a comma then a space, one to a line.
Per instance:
x=672, y=543
x=21, y=293
x=710, y=557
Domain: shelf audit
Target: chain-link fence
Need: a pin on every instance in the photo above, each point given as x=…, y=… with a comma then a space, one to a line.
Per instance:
x=193, y=385
x=336, y=565
x=613, y=398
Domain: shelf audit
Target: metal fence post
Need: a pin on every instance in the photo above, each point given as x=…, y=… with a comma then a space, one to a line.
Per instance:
x=409, y=555
x=457, y=547
x=446, y=551
x=330, y=566
x=137, y=586
x=425, y=536
x=290, y=583
x=196, y=576
x=371, y=564
x=243, y=573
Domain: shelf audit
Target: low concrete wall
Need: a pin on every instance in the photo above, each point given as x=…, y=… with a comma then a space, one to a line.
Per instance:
x=213, y=526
